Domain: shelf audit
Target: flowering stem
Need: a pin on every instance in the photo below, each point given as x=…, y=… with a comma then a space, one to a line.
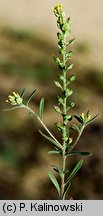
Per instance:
x=64, y=128
x=16, y=100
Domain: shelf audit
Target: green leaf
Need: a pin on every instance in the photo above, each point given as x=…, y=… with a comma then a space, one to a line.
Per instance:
x=41, y=108
x=67, y=118
x=66, y=27
x=62, y=51
x=72, y=103
x=78, y=119
x=72, y=78
x=59, y=126
x=56, y=59
x=59, y=35
x=92, y=119
x=57, y=109
x=51, y=140
x=57, y=169
x=54, y=181
x=75, y=127
x=22, y=94
x=60, y=100
x=79, y=153
x=87, y=114
x=60, y=44
x=66, y=188
x=54, y=152
x=75, y=170
x=58, y=84
x=65, y=138
x=69, y=55
x=58, y=25
x=30, y=97
x=69, y=67
x=13, y=108
x=68, y=92
x=62, y=78
x=72, y=41
x=61, y=66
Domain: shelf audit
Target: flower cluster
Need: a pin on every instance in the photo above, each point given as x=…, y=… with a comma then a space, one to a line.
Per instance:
x=86, y=117
x=60, y=14
x=14, y=99
x=62, y=23
x=58, y=10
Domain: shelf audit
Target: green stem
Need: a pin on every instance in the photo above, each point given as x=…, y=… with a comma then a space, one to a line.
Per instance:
x=78, y=137
x=64, y=129
x=28, y=108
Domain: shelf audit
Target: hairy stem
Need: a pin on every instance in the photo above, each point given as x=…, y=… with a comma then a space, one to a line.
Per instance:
x=78, y=137
x=42, y=123
x=64, y=129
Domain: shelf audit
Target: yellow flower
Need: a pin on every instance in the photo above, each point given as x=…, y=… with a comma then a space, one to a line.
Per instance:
x=14, y=99
x=70, y=140
x=89, y=117
x=82, y=115
x=58, y=9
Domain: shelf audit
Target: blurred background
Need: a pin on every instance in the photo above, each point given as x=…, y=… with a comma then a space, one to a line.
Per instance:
x=27, y=44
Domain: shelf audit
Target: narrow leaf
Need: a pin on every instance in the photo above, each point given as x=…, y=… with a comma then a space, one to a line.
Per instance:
x=41, y=108
x=30, y=97
x=75, y=127
x=54, y=152
x=54, y=181
x=78, y=119
x=12, y=108
x=72, y=41
x=58, y=84
x=22, y=94
x=75, y=170
x=51, y=140
x=92, y=119
x=87, y=114
x=57, y=169
x=69, y=67
x=79, y=153
x=56, y=59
